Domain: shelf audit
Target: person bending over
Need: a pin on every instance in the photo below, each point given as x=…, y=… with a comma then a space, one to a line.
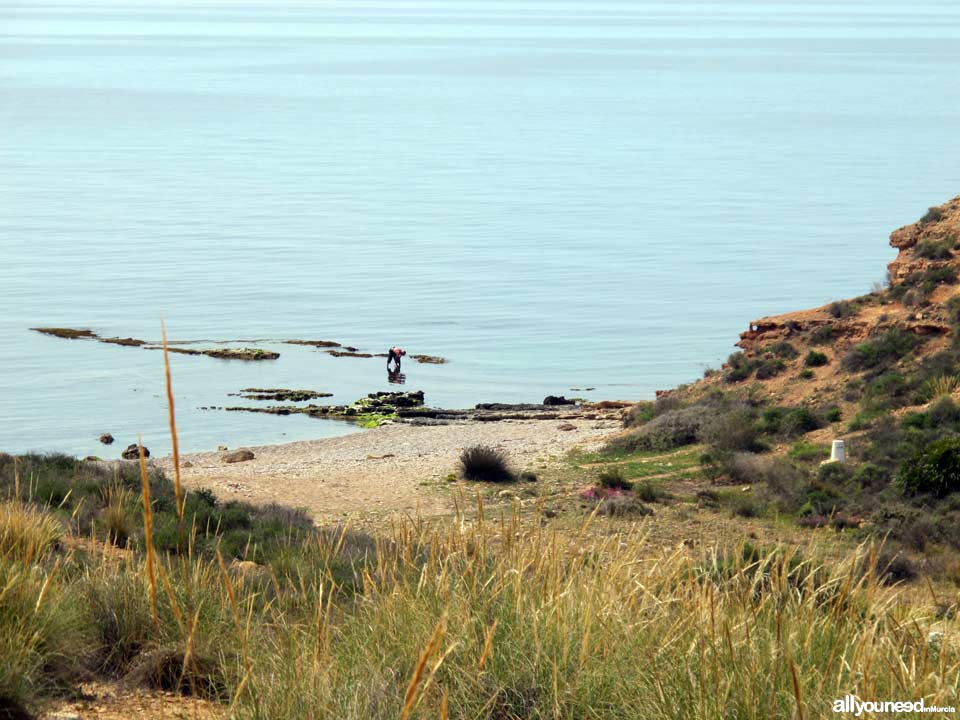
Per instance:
x=394, y=357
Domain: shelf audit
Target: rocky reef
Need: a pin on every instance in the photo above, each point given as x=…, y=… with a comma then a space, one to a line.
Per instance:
x=314, y=343
x=67, y=333
x=409, y=407
x=280, y=394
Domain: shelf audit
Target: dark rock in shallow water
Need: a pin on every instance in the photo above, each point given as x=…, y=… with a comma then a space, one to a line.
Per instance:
x=430, y=359
x=242, y=354
x=127, y=342
x=133, y=452
x=314, y=343
x=248, y=354
x=106, y=439
x=349, y=353
x=557, y=400
x=67, y=333
x=394, y=399
x=280, y=394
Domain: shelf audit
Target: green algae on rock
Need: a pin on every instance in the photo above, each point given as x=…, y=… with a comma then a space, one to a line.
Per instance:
x=371, y=411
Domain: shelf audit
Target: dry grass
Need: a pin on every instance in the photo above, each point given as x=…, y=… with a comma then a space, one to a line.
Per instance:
x=27, y=534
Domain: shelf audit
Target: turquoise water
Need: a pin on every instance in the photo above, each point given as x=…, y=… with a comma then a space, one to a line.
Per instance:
x=551, y=194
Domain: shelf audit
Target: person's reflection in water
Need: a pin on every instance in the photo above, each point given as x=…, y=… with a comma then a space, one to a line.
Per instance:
x=395, y=377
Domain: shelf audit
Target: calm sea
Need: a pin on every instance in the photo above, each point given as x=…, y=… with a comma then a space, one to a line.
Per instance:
x=553, y=194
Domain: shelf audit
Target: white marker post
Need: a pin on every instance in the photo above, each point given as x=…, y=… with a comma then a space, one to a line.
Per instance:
x=838, y=452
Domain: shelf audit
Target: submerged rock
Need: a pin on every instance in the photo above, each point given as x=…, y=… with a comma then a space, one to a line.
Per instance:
x=430, y=359
x=133, y=452
x=106, y=439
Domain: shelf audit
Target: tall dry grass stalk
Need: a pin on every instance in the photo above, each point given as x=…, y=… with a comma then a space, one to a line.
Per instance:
x=148, y=533
x=177, y=488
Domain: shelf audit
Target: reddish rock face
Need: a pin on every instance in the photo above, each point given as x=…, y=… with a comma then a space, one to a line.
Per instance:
x=939, y=225
x=926, y=245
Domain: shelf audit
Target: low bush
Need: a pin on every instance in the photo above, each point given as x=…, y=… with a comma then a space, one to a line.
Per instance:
x=784, y=350
x=932, y=215
x=823, y=335
x=672, y=429
x=623, y=506
x=843, y=309
x=740, y=367
x=639, y=414
x=769, y=368
x=612, y=478
x=931, y=249
x=735, y=429
x=809, y=451
x=881, y=351
x=935, y=470
x=485, y=464
x=790, y=421
x=815, y=359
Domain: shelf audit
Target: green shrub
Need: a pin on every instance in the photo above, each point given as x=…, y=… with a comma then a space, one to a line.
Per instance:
x=823, y=335
x=783, y=350
x=612, y=478
x=770, y=368
x=740, y=367
x=886, y=392
x=732, y=430
x=672, y=429
x=790, y=421
x=802, y=450
x=881, y=351
x=842, y=309
x=815, y=359
x=953, y=310
x=648, y=492
x=639, y=414
x=935, y=249
x=807, y=374
x=871, y=477
x=935, y=470
x=932, y=215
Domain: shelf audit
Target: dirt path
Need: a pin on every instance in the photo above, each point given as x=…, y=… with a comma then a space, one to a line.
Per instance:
x=381, y=472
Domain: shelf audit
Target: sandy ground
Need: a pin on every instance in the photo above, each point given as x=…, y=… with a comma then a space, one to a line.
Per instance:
x=380, y=472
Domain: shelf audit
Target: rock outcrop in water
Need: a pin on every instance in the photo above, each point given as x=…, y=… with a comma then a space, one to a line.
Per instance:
x=280, y=394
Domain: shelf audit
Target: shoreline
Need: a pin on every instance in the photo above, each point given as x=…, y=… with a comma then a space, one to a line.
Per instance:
x=379, y=472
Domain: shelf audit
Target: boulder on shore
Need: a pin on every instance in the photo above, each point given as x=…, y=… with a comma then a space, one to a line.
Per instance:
x=238, y=455
x=557, y=400
x=133, y=452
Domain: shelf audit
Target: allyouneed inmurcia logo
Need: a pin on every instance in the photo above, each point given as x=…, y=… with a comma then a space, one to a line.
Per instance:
x=857, y=708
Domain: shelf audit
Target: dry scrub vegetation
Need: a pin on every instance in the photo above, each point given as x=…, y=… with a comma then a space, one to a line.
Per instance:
x=476, y=617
